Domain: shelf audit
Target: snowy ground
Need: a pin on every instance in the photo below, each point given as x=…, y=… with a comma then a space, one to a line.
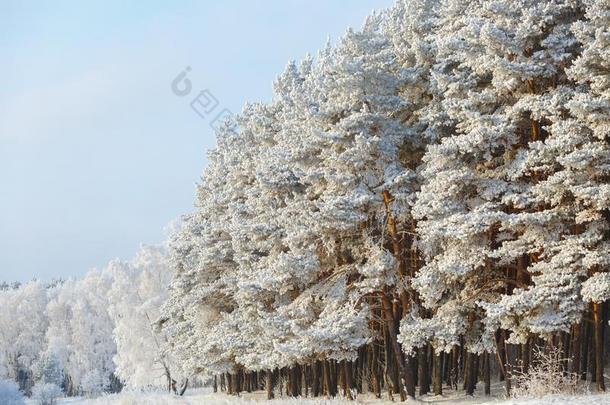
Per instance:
x=199, y=397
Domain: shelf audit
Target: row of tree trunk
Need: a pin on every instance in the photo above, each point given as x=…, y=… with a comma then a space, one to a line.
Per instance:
x=377, y=370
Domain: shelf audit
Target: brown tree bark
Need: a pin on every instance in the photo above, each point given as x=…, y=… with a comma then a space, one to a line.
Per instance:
x=422, y=374
x=230, y=384
x=576, y=349
x=437, y=381
x=565, y=351
x=333, y=377
x=295, y=374
x=305, y=380
x=470, y=376
x=248, y=382
x=237, y=382
x=315, y=386
x=347, y=379
x=501, y=354
x=374, y=366
x=455, y=364
x=508, y=371
x=599, y=346
x=269, y=384
x=591, y=353
x=487, y=373
x=390, y=371
x=524, y=351
x=341, y=378
x=584, y=358
x=326, y=376
x=362, y=371
x=405, y=371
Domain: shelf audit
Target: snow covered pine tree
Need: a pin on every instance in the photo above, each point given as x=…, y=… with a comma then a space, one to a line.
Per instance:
x=437, y=180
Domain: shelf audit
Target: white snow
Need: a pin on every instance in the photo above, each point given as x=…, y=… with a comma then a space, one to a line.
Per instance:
x=203, y=397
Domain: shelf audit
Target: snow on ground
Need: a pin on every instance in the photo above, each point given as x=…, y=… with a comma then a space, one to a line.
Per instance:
x=203, y=397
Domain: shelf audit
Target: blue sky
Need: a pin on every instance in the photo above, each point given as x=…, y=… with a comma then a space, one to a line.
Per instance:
x=97, y=155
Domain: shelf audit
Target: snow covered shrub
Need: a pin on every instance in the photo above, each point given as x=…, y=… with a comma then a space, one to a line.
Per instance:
x=49, y=370
x=546, y=376
x=10, y=394
x=46, y=393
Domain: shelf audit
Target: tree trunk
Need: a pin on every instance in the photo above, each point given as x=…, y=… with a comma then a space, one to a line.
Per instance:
x=341, y=378
x=470, y=377
x=374, y=366
x=455, y=367
x=487, y=373
x=525, y=356
x=295, y=390
x=404, y=370
x=315, y=384
x=391, y=369
x=230, y=384
x=334, y=377
x=438, y=374
x=361, y=372
x=599, y=346
x=447, y=368
x=584, y=358
x=565, y=352
x=326, y=374
x=475, y=380
x=185, y=384
x=269, y=384
x=576, y=349
x=397, y=248
x=501, y=354
x=404, y=367
x=347, y=379
x=508, y=370
x=422, y=374
x=591, y=353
